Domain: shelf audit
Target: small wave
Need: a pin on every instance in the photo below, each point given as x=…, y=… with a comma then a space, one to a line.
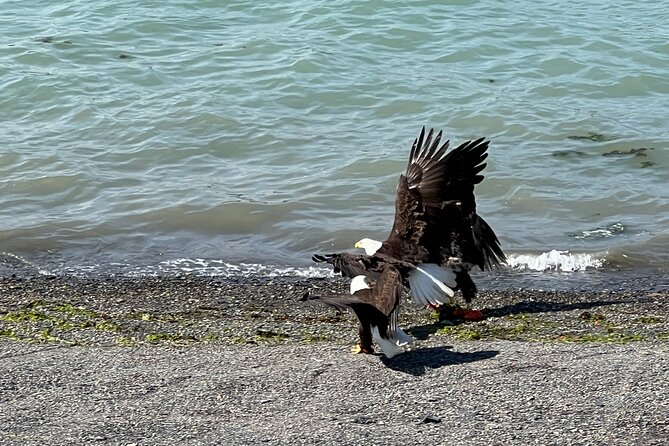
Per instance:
x=15, y=263
x=548, y=261
x=555, y=261
x=188, y=266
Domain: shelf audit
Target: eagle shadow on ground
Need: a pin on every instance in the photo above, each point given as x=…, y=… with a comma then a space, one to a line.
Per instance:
x=418, y=362
x=422, y=332
x=551, y=307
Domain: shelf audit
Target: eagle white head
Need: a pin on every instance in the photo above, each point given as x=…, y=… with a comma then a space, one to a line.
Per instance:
x=359, y=283
x=370, y=246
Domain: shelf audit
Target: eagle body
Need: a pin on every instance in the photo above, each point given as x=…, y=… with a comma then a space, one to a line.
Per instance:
x=437, y=236
x=376, y=306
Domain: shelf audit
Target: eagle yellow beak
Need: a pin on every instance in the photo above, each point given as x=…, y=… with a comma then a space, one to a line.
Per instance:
x=357, y=245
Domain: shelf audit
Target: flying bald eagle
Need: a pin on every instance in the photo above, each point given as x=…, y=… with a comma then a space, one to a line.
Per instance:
x=376, y=305
x=437, y=236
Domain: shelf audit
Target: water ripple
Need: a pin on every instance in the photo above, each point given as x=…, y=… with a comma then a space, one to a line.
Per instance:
x=256, y=131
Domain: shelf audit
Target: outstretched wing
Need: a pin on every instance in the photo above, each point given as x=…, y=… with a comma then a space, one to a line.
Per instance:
x=488, y=245
x=435, y=207
x=458, y=229
x=417, y=198
x=351, y=265
x=462, y=167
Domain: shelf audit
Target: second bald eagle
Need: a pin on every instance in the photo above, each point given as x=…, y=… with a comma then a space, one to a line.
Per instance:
x=437, y=237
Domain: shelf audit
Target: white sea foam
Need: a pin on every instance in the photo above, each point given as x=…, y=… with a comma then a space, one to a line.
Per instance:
x=185, y=266
x=223, y=269
x=555, y=261
x=548, y=261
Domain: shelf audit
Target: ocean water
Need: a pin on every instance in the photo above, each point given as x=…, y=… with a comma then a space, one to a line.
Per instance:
x=171, y=137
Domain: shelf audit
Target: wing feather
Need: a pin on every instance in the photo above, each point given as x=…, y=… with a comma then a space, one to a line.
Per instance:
x=351, y=265
x=386, y=292
x=435, y=207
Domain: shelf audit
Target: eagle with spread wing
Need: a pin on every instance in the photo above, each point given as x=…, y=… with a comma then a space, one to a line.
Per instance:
x=437, y=236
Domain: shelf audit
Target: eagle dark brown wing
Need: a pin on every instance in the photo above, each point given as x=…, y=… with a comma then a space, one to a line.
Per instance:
x=463, y=233
x=417, y=197
x=386, y=292
x=351, y=265
x=435, y=207
x=488, y=245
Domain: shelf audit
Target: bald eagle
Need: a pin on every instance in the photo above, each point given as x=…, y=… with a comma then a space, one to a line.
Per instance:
x=376, y=305
x=437, y=237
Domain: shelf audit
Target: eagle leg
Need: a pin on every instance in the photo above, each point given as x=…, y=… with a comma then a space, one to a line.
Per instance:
x=365, y=345
x=466, y=285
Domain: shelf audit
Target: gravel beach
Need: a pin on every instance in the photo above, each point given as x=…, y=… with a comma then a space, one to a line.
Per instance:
x=191, y=360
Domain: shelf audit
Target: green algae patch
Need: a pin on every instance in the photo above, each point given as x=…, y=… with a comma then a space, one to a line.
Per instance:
x=515, y=327
x=270, y=336
x=179, y=338
x=64, y=322
x=155, y=338
x=601, y=338
x=594, y=328
x=312, y=338
x=648, y=320
x=461, y=332
x=664, y=336
x=43, y=322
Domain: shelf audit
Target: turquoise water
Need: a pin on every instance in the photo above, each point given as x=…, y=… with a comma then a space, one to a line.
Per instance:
x=189, y=135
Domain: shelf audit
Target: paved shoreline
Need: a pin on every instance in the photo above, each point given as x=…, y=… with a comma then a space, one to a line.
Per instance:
x=201, y=361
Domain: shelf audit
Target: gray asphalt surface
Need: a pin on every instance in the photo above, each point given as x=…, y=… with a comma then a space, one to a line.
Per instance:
x=466, y=393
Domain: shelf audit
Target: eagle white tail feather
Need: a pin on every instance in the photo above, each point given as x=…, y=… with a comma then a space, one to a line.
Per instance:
x=388, y=347
x=444, y=274
x=400, y=337
x=428, y=284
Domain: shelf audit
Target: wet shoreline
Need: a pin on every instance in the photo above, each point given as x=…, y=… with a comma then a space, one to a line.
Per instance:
x=191, y=309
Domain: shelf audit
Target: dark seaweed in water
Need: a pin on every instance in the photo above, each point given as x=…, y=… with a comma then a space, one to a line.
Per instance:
x=51, y=39
x=640, y=151
x=636, y=152
x=569, y=154
x=592, y=136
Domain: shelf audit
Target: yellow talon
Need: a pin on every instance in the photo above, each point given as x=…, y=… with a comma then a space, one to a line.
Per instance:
x=358, y=348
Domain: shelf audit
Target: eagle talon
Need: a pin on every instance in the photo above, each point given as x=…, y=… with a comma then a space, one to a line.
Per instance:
x=357, y=349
